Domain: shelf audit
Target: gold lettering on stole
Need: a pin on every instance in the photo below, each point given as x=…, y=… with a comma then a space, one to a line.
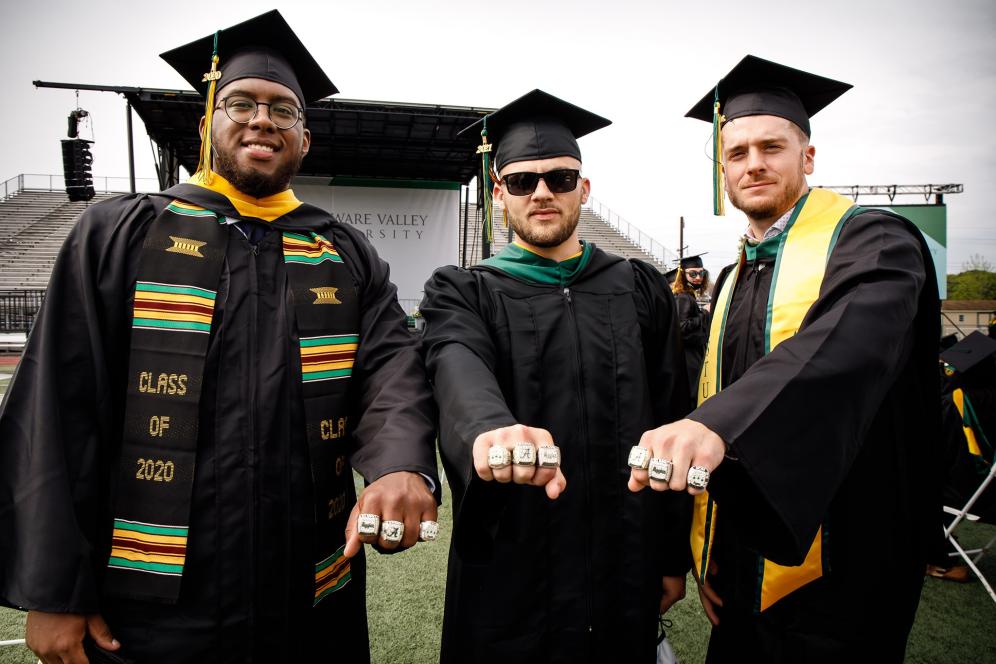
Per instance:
x=158, y=424
x=333, y=428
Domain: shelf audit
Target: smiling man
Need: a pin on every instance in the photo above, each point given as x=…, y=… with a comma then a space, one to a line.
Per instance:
x=210, y=365
x=818, y=400
x=549, y=361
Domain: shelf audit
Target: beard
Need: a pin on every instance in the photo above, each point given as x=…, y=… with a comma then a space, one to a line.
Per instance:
x=790, y=189
x=250, y=181
x=548, y=236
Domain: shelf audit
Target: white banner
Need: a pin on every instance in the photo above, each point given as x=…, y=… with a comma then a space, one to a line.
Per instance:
x=413, y=229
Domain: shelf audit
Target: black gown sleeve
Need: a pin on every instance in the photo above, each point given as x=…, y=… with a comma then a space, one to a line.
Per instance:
x=694, y=322
x=461, y=360
x=667, y=381
x=395, y=430
x=797, y=417
x=60, y=419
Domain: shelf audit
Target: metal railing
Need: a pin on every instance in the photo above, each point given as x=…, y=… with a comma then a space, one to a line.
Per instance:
x=19, y=308
x=634, y=233
x=103, y=185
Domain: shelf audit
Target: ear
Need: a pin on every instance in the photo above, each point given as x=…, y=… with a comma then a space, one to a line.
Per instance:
x=200, y=127
x=808, y=160
x=306, y=142
x=497, y=194
x=585, y=190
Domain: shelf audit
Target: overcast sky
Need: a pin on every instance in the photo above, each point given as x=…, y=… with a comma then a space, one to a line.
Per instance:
x=924, y=76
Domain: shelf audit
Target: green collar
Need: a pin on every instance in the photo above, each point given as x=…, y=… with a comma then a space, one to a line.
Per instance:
x=524, y=265
x=765, y=249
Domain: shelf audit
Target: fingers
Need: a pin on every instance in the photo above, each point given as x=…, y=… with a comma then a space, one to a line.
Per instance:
x=710, y=601
x=389, y=513
x=521, y=455
x=683, y=454
x=100, y=632
x=353, y=541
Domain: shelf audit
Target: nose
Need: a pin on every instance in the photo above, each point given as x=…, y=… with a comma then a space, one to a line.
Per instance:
x=261, y=121
x=755, y=161
x=542, y=191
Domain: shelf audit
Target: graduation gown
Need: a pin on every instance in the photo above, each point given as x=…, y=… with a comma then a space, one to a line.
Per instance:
x=694, y=324
x=248, y=586
x=834, y=426
x=596, y=362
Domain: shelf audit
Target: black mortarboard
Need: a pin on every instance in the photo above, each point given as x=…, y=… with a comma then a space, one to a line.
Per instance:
x=537, y=125
x=969, y=352
x=263, y=47
x=761, y=87
x=687, y=262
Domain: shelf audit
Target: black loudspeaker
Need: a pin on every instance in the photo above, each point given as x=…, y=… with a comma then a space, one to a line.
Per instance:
x=76, y=166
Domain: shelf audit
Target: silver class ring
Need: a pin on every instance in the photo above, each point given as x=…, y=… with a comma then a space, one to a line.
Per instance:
x=548, y=456
x=639, y=458
x=368, y=524
x=499, y=457
x=428, y=531
x=392, y=531
x=698, y=477
x=660, y=469
x=524, y=454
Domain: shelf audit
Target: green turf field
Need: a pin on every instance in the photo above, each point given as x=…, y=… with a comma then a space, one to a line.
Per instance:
x=956, y=622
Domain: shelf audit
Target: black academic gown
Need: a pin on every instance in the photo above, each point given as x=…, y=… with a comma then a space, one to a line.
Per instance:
x=694, y=323
x=248, y=585
x=837, y=425
x=595, y=363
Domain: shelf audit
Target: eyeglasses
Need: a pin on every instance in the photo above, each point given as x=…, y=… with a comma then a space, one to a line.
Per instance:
x=695, y=273
x=559, y=181
x=243, y=110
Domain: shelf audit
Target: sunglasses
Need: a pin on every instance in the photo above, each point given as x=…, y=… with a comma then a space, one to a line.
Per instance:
x=559, y=181
x=695, y=273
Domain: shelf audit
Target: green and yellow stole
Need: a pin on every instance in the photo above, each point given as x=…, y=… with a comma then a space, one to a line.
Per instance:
x=173, y=320
x=801, y=253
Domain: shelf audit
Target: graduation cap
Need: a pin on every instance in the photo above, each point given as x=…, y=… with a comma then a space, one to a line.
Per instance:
x=689, y=262
x=760, y=87
x=537, y=125
x=969, y=352
x=263, y=47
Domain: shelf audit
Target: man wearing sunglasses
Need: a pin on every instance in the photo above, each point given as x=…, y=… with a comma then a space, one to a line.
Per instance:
x=549, y=361
x=210, y=364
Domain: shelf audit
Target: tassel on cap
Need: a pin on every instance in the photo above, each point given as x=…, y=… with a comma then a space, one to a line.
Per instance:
x=204, y=174
x=484, y=149
x=718, y=190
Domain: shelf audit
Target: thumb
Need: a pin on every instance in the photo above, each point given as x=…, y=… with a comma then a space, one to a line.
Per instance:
x=100, y=632
x=556, y=486
x=353, y=543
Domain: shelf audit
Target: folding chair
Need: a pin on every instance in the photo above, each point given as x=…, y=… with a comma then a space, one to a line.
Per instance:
x=976, y=440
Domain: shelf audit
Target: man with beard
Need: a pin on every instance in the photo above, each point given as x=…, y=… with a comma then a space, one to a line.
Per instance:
x=549, y=361
x=819, y=400
x=210, y=364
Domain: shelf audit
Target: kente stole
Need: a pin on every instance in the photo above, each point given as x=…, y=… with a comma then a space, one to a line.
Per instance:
x=179, y=271
x=801, y=253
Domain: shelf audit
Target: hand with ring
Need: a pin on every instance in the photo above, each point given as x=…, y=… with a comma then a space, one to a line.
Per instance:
x=677, y=457
x=520, y=454
x=389, y=513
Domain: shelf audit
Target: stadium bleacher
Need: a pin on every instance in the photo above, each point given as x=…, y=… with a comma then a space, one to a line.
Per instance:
x=33, y=226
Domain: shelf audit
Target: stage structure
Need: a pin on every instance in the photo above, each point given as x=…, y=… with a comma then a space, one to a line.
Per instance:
x=930, y=217
x=397, y=172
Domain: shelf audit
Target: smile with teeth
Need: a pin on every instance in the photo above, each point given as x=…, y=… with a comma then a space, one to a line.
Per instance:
x=259, y=146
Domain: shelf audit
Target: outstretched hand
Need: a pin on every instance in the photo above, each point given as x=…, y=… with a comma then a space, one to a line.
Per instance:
x=685, y=443
x=551, y=479
x=402, y=496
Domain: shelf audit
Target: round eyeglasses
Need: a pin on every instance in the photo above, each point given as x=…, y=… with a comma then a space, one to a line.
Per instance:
x=243, y=110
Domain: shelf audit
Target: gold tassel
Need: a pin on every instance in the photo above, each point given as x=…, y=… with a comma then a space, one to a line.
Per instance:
x=504, y=217
x=204, y=174
x=484, y=149
x=718, y=190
